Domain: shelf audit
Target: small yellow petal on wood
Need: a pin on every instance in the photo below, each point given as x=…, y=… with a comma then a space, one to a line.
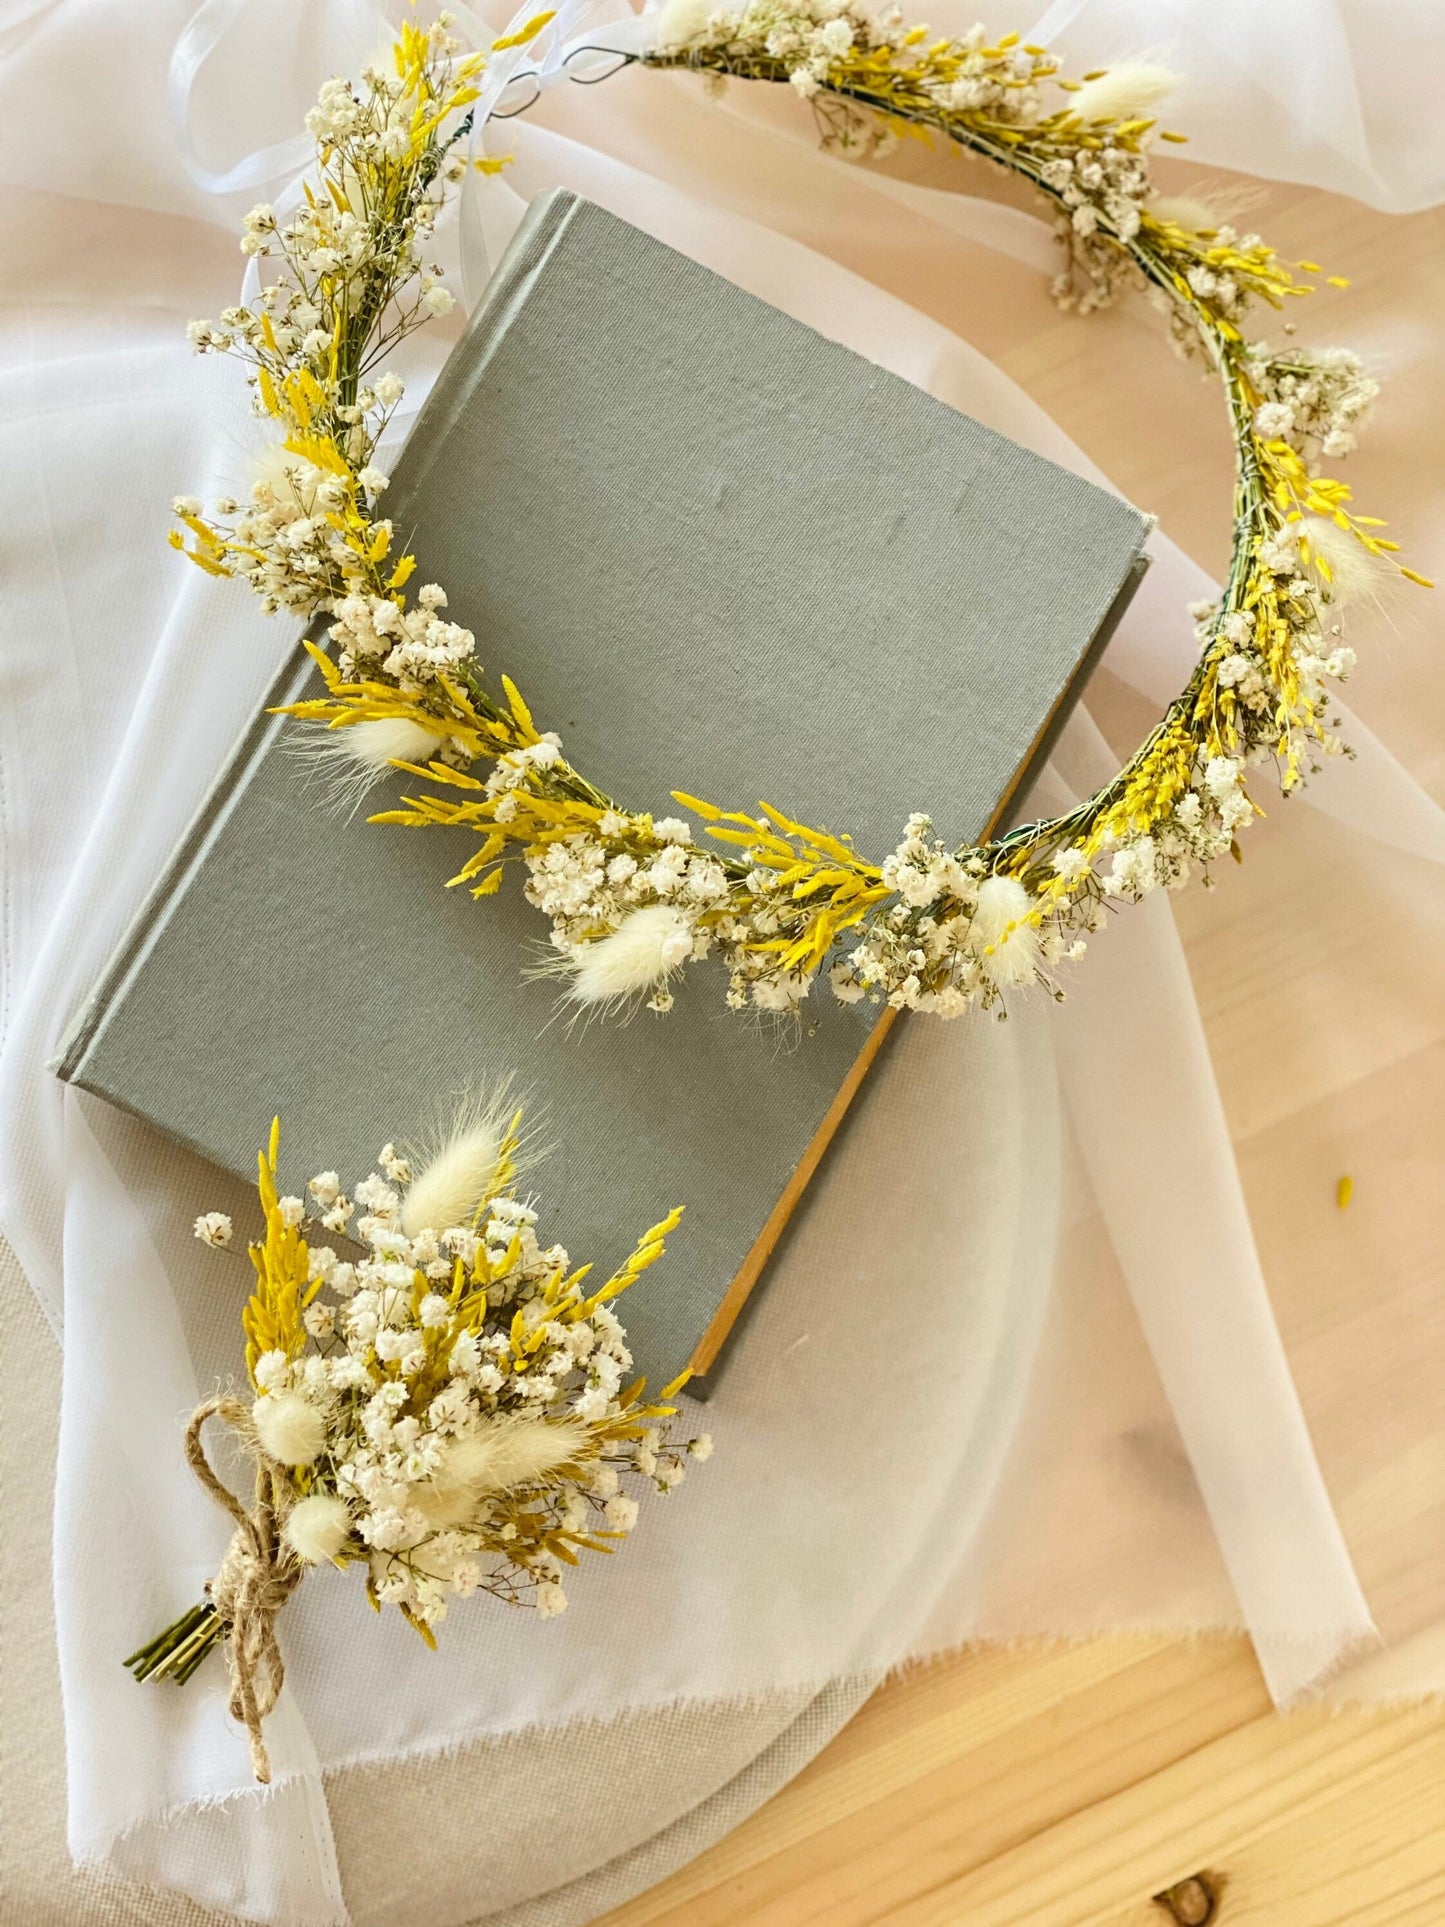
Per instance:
x=1344, y=1191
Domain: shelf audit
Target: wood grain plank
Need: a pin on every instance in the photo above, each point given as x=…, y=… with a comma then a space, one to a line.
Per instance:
x=954, y=1764
x=1311, y=1819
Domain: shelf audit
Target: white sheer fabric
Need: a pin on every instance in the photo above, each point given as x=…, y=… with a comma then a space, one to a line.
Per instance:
x=1337, y=93
x=945, y=1421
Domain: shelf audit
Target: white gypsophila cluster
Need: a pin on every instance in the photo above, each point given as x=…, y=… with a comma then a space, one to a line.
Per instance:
x=1102, y=192
x=1004, y=85
x=1223, y=290
x=1312, y=398
x=805, y=40
x=213, y=1228
x=968, y=947
x=452, y=1445
x=289, y=549
x=598, y=886
x=955, y=937
x=812, y=41
x=411, y=647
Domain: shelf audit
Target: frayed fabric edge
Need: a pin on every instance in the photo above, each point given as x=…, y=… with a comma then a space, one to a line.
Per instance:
x=98, y=1857
x=1342, y=1647
x=1349, y=1646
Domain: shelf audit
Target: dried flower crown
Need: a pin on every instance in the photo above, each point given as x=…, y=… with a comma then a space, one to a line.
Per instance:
x=632, y=898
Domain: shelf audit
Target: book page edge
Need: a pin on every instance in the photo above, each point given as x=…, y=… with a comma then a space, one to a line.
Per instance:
x=737, y=1293
x=740, y=1290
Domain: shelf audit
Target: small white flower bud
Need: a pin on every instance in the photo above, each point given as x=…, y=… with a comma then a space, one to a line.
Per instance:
x=290, y=1429
x=214, y=1229
x=317, y=1527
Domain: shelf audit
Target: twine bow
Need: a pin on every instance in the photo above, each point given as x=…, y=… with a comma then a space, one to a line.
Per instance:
x=257, y=1576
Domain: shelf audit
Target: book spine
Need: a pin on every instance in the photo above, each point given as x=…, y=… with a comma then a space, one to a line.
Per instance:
x=1068, y=698
x=541, y=228
x=129, y=956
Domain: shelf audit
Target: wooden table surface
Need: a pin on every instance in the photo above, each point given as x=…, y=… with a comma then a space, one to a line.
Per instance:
x=1073, y=1786
x=1068, y=1787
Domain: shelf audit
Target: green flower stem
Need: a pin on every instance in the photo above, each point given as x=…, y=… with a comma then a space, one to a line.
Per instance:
x=178, y=1651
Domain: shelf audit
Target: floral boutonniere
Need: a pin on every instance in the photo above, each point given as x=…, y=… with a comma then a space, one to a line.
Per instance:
x=444, y=1403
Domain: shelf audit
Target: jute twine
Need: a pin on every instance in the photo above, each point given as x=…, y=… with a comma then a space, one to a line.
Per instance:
x=257, y=1576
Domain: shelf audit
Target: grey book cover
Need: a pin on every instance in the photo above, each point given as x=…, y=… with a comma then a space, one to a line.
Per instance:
x=717, y=552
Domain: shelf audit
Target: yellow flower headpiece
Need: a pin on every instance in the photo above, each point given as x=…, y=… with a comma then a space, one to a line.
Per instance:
x=633, y=898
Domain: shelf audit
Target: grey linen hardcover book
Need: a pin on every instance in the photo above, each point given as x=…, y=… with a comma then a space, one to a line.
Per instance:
x=719, y=553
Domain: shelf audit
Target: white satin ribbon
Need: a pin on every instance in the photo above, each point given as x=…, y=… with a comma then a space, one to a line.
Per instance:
x=489, y=209
x=197, y=41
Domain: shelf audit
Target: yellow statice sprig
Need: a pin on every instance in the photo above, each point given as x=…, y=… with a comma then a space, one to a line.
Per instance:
x=442, y=708
x=817, y=885
x=532, y=808
x=284, y=1288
